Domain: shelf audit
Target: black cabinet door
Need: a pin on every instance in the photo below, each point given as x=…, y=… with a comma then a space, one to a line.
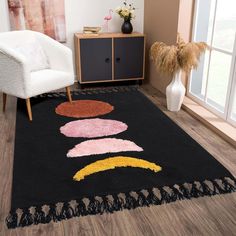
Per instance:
x=96, y=59
x=129, y=55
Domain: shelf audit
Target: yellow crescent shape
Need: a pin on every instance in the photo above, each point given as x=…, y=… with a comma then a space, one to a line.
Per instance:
x=112, y=163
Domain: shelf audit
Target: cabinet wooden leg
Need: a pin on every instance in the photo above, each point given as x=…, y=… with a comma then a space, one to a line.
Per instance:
x=68, y=94
x=4, y=99
x=28, y=105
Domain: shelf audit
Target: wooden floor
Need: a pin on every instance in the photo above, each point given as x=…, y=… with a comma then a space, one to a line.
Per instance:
x=203, y=216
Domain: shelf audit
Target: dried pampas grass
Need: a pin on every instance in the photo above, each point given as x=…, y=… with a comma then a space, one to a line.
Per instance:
x=182, y=56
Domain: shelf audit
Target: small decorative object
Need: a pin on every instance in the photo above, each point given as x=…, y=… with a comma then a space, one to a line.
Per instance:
x=127, y=13
x=91, y=30
x=127, y=27
x=107, y=19
x=175, y=92
x=172, y=61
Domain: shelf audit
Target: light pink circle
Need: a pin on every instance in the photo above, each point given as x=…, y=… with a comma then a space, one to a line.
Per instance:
x=93, y=128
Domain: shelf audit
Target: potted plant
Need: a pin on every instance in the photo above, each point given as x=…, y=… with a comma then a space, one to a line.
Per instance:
x=127, y=13
x=172, y=61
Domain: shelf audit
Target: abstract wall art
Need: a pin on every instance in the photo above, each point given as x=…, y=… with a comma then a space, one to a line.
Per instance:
x=45, y=16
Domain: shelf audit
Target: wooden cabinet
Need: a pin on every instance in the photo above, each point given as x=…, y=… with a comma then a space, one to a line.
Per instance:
x=109, y=57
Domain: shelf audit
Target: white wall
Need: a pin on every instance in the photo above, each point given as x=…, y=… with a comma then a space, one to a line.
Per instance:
x=81, y=13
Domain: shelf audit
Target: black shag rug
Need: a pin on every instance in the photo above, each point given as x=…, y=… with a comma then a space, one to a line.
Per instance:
x=43, y=187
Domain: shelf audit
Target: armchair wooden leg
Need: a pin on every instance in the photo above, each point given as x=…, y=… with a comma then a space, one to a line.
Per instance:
x=28, y=105
x=4, y=99
x=68, y=94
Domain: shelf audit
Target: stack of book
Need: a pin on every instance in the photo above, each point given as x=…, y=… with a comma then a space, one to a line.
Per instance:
x=91, y=30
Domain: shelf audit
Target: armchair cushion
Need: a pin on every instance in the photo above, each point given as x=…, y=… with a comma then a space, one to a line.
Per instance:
x=47, y=80
x=34, y=54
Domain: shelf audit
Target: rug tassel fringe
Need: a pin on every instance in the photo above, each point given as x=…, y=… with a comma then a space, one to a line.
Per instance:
x=117, y=202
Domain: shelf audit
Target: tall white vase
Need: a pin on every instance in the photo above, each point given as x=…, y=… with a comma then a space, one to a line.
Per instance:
x=175, y=92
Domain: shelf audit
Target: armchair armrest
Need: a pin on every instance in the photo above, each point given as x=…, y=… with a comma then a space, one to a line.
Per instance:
x=60, y=56
x=14, y=72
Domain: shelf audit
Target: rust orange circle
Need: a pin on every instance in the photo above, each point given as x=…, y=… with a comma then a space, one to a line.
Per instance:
x=84, y=108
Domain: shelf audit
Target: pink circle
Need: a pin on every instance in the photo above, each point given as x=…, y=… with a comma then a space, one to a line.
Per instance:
x=92, y=128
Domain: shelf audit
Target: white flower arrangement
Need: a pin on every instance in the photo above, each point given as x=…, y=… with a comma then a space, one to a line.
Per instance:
x=126, y=11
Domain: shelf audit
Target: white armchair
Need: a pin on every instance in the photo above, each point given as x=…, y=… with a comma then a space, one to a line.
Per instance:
x=16, y=76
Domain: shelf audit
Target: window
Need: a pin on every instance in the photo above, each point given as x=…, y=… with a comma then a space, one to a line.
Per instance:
x=213, y=83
